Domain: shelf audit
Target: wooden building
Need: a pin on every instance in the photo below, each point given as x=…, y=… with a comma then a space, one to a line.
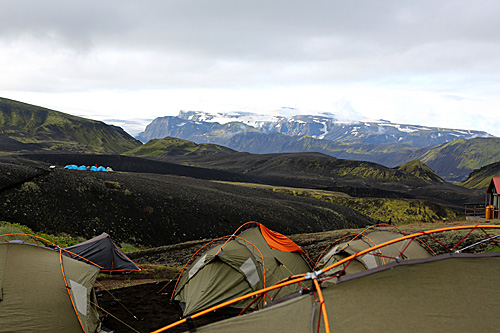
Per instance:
x=492, y=197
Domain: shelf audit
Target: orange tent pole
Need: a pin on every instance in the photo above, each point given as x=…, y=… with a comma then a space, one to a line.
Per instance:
x=329, y=246
x=323, y=306
x=69, y=293
x=234, y=234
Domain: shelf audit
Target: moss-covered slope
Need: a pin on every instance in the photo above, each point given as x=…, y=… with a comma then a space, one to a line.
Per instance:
x=55, y=130
x=175, y=146
x=481, y=178
x=420, y=170
x=456, y=159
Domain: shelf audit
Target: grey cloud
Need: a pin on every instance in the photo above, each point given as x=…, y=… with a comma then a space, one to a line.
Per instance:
x=225, y=42
x=256, y=27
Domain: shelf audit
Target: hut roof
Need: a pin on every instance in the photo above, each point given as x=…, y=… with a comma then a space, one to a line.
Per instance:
x=494, y=185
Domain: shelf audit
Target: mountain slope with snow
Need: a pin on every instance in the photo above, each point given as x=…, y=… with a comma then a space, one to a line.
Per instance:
x=195, y=125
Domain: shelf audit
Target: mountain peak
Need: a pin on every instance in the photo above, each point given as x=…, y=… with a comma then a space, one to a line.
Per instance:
x=421, y=171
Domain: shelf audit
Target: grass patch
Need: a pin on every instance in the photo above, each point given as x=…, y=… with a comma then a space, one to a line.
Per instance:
x=127, y=248
x=62, y=240
x=112, y=184
x=30, y=187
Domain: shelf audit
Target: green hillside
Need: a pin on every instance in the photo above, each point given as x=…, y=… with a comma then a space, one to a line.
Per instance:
x=481, y=178
x=456, y=159
x=175, y=146
x=421, y=171
x=30, y=124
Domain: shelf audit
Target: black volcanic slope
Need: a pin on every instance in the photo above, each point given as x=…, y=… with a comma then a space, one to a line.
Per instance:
x=356, y=178
x=137, y=164
x=154, y=209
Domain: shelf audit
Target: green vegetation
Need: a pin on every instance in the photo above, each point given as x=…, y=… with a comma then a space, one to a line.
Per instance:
x=30, y=187
x=112, y=184
x=127, y=248
x=400, y=211
x=421, y=171
x=62, y=240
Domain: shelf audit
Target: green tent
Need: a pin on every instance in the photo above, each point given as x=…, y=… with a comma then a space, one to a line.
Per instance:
x=445, y=293
x=254, y=259
x=44, y=291
x=408, y=249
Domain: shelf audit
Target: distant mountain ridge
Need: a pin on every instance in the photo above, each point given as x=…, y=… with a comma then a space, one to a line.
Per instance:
x=380, y=141
x=190, y=125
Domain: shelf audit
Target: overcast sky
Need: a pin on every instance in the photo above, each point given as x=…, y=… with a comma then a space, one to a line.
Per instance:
x=434, y=63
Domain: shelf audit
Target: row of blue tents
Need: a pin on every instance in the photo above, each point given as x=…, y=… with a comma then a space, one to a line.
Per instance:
x=84, y=168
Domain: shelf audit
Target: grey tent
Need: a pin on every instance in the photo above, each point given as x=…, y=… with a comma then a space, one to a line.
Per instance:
x=44, y=291
x=253, y=259
x=102, y=251
x=445, y=293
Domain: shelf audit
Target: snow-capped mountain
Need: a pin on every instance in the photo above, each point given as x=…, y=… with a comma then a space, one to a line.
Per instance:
x=206, y=127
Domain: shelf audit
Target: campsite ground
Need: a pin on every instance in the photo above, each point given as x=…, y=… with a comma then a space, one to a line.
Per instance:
x=140, y=302
x=144, y=308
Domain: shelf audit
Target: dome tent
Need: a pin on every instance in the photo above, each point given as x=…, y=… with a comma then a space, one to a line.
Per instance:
x=245, y=262
x=82, y=167
x=71, y=167
x=410, y=249
x=44, y=291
